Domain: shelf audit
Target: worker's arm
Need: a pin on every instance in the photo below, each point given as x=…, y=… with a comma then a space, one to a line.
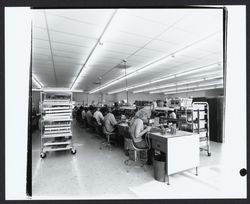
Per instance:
x=113, y=120
x=139, y=132
x=101, y=116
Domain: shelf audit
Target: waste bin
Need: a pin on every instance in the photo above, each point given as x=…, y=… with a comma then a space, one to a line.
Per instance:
x=159, y=168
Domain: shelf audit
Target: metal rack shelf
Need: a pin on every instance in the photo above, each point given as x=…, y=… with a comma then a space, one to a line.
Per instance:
x=201, y=124
x=56, y=134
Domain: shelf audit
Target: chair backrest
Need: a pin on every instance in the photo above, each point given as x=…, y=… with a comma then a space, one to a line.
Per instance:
x=134, y=147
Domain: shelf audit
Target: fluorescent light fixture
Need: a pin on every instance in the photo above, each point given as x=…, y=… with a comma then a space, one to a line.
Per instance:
x=191, y=71
x=171, y=76
x=98, y=44
x=178, y=83
x=193, y=90
x=108, y=84
x=159, y=61
x=187, y=87
x=61, y=90
x=37, y=82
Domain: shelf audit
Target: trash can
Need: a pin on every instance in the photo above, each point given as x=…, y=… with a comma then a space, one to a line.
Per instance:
x=159, y=168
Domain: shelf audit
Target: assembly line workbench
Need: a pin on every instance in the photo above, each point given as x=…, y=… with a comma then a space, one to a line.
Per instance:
x=181, y=149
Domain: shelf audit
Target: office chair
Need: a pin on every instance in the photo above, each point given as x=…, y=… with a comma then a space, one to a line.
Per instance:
x=108, y=136
x=137, y=162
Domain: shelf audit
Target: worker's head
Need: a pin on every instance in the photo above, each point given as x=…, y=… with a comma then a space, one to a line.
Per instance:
x=91, y=108
x=142, y=114
x=105, y=110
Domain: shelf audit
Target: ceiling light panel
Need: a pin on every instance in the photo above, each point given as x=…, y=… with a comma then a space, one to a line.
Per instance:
x=112, y=46
x=81, y=28
x=40, y=62
x=67, y=60
x=190, y=86
x=178, y=36
x=72, y=39
x=40, y=50
x=39, y=33
x=69, y=47
x=67, y=56
x=70, y=54
x=164, y=17
x=137, y=59
x=87, y=16
x=44, y=43
x=185, y=82
x=150, y=53
x=41, y=57
x=162, y=46
x=67, y=70
x=123, y=23
x=126, y=38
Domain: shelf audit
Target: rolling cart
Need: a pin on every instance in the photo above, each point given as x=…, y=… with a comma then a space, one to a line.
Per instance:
x=201, y=124
x=56, y=113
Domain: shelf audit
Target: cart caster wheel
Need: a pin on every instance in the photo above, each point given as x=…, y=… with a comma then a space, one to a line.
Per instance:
x=43, y=155
x=209, y=154
x=73, y=151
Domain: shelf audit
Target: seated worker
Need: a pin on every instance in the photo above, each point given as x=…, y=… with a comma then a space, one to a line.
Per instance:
x=84, y=119
x=89, y=115
x=109, y=120
x=98, y=116
x=137, y=130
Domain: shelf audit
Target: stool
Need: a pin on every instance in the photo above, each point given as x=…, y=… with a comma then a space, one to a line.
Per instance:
x=136, y=150
x=108, y=136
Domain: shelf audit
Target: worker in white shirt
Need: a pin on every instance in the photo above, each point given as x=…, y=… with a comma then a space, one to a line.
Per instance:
x=109, y=120
x=98, y=116
x=99, y=119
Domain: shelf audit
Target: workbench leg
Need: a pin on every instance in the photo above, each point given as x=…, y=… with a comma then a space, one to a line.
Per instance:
x=196, y=169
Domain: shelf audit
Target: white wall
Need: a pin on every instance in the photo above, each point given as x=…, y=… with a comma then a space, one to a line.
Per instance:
x=17, y=66
x=207, y=94
x=138, y=96
x=88, y=98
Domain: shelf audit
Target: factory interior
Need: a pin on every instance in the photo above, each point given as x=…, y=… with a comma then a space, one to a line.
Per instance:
x=128, y=103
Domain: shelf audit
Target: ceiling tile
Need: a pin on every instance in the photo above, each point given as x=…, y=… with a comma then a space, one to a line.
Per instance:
x=95, y=17
x=64, y=24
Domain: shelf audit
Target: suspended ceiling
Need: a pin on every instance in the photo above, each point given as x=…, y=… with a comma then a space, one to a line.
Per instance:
x=86, y=47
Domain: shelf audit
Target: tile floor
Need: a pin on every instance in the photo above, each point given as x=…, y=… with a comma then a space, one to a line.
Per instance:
x=101, y=174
